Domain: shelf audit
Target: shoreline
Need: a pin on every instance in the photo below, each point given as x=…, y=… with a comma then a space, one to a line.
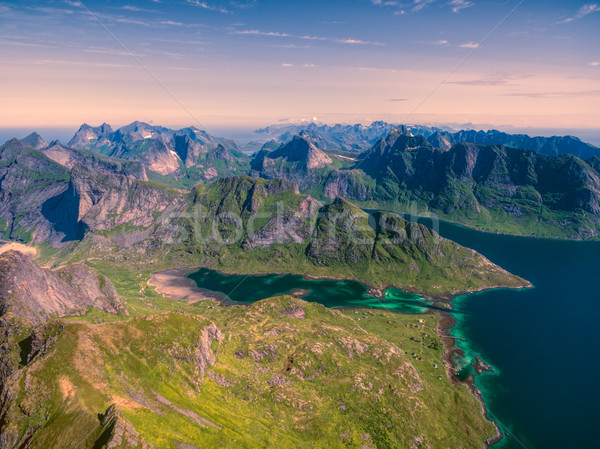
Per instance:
x=377, y=292
x=447, y=322
x=175, y=284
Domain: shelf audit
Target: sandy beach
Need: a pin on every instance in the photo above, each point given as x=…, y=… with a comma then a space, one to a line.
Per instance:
x=7, y=246
x=175, y=284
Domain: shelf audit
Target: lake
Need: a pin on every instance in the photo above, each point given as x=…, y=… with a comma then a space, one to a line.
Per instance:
x=542, y=342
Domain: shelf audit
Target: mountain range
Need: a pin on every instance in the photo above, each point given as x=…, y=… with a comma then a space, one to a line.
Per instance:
x=490, y=187
x=474, y=178
x=182, y=157
x=359, y=138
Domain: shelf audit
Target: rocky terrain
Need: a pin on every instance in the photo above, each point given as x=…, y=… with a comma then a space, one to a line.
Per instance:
x=32, y=293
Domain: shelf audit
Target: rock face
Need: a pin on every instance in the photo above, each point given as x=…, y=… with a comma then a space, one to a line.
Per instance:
x=35, y=141
x=118, y=432
x=69, y=157
x=35, y=294
x=184, y=152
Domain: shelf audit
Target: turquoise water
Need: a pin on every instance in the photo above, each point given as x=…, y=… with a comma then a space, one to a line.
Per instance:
x=541, y=342
x=244, y=289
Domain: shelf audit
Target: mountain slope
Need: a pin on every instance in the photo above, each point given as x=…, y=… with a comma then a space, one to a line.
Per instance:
x=279, y=373
x=493, y=188
x=29, y=183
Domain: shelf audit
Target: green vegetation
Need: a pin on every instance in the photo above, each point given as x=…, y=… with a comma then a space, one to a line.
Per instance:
x=254, y=226
x=281, y=373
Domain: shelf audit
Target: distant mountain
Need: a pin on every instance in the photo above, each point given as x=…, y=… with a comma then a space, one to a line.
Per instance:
x=349, y=138
x=552, y=146
x=35, y=141
x=186, y=155
x=358, y=138
x=490, y=187
x=298, y=160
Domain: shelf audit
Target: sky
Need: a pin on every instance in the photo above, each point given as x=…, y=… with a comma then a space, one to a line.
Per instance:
x=249, y=63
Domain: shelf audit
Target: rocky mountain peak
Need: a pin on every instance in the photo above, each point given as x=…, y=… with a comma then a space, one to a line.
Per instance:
x=302, y=150
x=34, y=140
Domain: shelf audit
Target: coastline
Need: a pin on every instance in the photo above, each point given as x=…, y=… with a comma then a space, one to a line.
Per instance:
x=446, y=323
x=175, y=284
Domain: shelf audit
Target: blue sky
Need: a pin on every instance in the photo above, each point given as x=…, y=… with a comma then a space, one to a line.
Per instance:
x=253, y=62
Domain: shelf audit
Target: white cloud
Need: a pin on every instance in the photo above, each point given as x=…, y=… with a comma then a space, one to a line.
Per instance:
x=583, y=11
x=587, y=9
x=208, y=7
x=594, y=63
x=285, y=64
x=469, y=45
x=261, y=33
x=458, y=5
x=357, y=42
x=348, y=41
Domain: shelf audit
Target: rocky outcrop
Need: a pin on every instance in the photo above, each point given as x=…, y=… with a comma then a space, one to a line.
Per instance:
x=118, y=432
x=204, y=354
x=35, y=294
